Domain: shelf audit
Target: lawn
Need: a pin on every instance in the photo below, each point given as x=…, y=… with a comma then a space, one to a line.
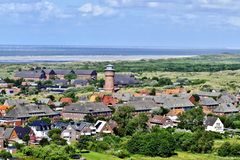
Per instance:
x=180, y=156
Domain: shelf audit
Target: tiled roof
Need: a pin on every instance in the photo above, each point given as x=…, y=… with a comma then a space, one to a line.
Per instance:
x=141, y=105
x=209, y=94
x=14, y=102
x=226, y=108
x=210, y=121
x=21, y=132
x=31, y=74
x=80, y=82
x=208, y=101
x=39, y=123
x=8, y=132
x=29, y=110
x=121, y=79
x=85, y=72
x=86, y=108
x=177, y=102
x=226, y=99
x=63, y=71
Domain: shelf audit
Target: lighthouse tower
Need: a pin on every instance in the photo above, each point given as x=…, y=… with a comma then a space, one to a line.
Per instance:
x=109, y=78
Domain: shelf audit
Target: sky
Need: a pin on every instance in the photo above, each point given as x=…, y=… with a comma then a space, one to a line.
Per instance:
x=123, y=23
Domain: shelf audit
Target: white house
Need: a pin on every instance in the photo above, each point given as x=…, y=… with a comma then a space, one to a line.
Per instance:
x=214, y=124
x=40, y=129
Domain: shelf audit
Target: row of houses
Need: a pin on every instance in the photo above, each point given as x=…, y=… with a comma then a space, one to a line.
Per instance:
x=46, y=74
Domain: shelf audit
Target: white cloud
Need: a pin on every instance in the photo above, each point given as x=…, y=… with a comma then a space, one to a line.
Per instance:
x=234, y=21
x=43, y=9
x=95, y=10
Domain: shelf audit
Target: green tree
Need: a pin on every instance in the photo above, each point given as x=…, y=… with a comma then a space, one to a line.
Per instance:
x=192, y=119
x=122, y=116
x=138, y=123
x=5, y=155
x=44, y=142
x=46, y=119
x=26, y=138
x=70, y=76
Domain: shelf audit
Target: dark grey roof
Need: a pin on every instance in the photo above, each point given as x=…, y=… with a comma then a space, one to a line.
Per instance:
x=226, y=99
x=80, y=82
x=208, y=101
x=86, y=108
x=85, y=72
x=161, y=98
x=14, y=102
x=210, y=121
x=79, y=126
x=8, y=132
x=226, y=108
x=62, y=71
x=29, y=110
x=121, y=79
x=141, y=105
x=123, y=96
x=209, y=94
x=31, y=74
x=177, y=102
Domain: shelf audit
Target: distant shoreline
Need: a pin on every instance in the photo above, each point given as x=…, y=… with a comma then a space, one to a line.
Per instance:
x=84, y=58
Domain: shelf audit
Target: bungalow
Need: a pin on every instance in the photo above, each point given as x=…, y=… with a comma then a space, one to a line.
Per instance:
x=4, y=84
x=213, y=124
x=35, y=75
x=161, y=121
x=77, y=111
x=50, y=74
x=74, y=131
x=40, y=129
x=24, y=112
x=103, y=127
x=225, y=109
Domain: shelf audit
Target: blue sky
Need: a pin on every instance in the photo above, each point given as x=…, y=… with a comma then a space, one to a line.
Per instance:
x=142, y=23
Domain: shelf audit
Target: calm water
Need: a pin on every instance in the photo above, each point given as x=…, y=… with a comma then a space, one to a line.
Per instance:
x=30, y=54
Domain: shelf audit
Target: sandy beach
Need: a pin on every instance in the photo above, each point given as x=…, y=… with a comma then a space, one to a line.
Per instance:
x=84, y=58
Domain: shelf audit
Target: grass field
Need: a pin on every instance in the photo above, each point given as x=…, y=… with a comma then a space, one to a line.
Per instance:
x=180, y=156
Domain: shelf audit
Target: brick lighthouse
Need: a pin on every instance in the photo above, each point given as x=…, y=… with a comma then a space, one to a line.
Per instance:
x=109, y=78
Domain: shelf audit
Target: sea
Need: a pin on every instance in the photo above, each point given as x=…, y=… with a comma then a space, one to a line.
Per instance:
x=53, y=54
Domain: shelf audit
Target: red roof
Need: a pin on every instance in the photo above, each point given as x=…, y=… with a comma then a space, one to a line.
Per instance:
x=66, y=100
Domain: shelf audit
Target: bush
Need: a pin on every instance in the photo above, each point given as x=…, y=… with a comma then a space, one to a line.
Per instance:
x=121, y=153
x=160, y=143
x=225, y=149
